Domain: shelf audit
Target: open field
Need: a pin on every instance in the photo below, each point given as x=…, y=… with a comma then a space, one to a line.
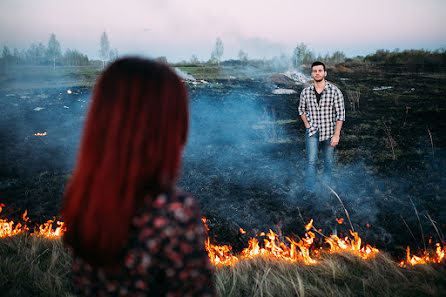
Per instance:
x=244, y=162
x=30, y=77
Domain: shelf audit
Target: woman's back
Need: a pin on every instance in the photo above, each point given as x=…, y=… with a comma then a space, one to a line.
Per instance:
x=126, y=238
x=165, y=255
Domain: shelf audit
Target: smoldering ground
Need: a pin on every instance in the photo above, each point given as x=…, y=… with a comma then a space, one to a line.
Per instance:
x=244, y=161
x=34, y=169
x=247, y=178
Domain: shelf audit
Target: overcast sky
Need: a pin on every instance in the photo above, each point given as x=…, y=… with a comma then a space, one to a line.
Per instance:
x=179, y=29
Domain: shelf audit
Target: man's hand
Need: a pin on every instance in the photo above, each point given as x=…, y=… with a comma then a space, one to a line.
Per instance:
x=334, y=140
x=304, y=119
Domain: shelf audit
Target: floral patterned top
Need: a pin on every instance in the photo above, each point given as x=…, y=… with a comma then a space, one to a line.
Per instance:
x=165, y=256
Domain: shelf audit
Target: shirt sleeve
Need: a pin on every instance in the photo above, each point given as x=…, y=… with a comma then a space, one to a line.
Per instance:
x=302, y=104
x=339, y=106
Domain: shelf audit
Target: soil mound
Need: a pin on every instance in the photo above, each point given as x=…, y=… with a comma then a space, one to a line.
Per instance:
x=282, y=80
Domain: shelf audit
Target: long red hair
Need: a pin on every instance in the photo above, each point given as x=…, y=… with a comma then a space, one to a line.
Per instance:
x=131, y=148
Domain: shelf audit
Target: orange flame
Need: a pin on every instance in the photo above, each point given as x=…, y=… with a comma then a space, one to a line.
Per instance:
x=25, y=215
x=46, y=229
x=289, y=251
x=7, y=228
x=273, y=246
x=309, y=225
x=436, y=256
x=40, y=134
x=340, y=221
x=204, y=220
x=349, y=245
x=220, y=255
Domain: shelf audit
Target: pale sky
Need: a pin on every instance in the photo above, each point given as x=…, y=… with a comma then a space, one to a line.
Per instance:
x=262, y=28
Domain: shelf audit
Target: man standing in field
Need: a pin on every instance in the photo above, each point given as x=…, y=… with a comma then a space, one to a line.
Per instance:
x=322, y=110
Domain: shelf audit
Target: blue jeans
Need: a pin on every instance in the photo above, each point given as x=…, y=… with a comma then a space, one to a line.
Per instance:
x=311, y=146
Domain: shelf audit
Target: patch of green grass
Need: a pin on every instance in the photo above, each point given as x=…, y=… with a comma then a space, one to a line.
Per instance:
x=211, y=72
x=202, y=72
x=45, y=76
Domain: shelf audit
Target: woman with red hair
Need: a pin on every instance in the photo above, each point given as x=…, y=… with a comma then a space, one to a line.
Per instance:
x=130, y=231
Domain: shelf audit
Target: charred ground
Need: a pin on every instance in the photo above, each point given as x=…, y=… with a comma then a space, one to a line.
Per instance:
x=244, y=161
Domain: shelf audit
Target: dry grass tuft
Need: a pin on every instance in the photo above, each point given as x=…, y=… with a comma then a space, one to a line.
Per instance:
x=36, y=266
x=335, y=275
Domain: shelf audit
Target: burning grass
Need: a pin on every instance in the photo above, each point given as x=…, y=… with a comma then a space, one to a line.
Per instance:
x=305, y=250
x=39, y=266
x=272, y=245
x=9, y=228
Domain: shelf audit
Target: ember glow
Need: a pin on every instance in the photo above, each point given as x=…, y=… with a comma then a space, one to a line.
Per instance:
x=69, y=92
x=40, y=134
x=269, y=244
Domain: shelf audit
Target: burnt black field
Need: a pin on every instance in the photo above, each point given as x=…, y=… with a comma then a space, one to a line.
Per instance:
x=245, y=157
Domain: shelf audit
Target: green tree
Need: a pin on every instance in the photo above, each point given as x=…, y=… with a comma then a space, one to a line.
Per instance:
x=35, y=54
x=162, y=59
x=299, y=54
x=194, y=59
x=243, y=56
x=113, y=55
x=217, y=53
x=6, y=55
x=53, y=50
x=16, y=56
x=308, y=58
x=104, y=51
x=75, y=58
x=337, y=57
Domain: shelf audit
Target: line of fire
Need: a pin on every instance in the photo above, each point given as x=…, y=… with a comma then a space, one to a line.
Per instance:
x=275, y=246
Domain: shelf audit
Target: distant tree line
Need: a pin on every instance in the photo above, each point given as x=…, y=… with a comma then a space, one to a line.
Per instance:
x=412, y=60
x=302, y=55
x=39, y=54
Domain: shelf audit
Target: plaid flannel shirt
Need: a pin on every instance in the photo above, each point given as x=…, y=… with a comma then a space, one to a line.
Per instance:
x=322, y=117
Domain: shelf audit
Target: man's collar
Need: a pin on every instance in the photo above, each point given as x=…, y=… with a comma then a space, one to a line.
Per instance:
x=327, y=84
